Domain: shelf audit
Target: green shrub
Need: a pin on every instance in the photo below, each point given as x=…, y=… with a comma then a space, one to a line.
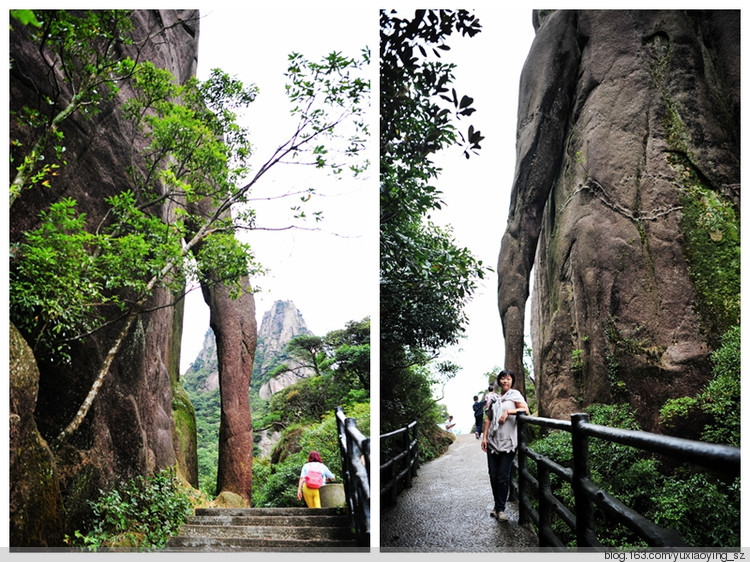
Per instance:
x=721, y=398
x=714, y=413
x=675, y=412
x=142, y=514
x=702, y=508
x=275, y=485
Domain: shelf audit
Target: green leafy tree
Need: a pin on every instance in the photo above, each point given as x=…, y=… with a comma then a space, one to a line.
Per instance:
x=443, y=373
x=195, y=164
x=350, y=360
x=426, y=278
x=416, y=402
x=208, y=418
x=343, y=358
x=308, y=350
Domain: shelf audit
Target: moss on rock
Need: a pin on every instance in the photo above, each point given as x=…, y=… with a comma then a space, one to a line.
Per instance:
x=185, y=435
x=37, y=514
x=712, y=251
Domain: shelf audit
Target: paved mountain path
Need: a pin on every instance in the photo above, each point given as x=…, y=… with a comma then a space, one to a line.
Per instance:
x=447, y=509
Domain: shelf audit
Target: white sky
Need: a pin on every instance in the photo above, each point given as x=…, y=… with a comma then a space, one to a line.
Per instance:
x=332, y=279
x=330, y=273
x=477, y=190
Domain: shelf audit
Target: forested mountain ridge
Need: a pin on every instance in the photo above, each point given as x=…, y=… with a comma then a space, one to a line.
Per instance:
x=312, y=375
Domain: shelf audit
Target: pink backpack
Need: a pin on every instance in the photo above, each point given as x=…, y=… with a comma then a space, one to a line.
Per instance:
x=314, y=479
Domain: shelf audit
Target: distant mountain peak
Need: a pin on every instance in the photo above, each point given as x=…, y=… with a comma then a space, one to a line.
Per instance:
x=280, y=324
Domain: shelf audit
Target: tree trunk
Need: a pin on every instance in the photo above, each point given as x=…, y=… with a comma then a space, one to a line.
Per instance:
x=234, y=325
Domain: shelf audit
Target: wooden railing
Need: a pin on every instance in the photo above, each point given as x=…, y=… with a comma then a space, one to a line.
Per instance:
x=581, y=519
x=355, y=466
x=401, y=464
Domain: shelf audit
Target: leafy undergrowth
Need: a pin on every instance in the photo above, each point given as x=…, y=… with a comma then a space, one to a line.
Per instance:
x=141, y=515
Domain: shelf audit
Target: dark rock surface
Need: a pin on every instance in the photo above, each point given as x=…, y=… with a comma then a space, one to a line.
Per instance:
x=447, y=509
x=621, y=115
x=37, y=515
x=131, y=428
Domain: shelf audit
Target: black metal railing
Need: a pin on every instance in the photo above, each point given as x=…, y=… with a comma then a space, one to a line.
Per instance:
x=401, y=454
x=355, y=466
x=586, y=494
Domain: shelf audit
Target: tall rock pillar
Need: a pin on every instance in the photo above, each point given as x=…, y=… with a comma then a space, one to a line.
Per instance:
x=626, y=204
x=234, y=325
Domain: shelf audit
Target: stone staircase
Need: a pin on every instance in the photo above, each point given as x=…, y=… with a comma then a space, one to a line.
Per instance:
x=266, y=529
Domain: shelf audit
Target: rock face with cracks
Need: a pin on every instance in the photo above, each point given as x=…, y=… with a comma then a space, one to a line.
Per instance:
x=141, y=421
x=625, y=201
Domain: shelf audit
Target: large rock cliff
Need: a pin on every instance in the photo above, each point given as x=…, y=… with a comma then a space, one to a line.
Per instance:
x=141, y=421
x=279, y=326
x=36, y=507
x=625, y=204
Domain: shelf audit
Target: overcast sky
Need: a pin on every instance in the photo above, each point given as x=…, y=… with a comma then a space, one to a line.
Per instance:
x=477, y=190
x=334, y=279
x=331, y=272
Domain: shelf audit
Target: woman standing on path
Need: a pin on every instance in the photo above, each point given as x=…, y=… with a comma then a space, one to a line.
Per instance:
x=500, y=438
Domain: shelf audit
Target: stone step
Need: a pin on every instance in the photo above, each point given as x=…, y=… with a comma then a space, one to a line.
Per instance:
x=272, y=520
x=211, y=544
x=267, y=529
x=273, y=531
x=269, y=511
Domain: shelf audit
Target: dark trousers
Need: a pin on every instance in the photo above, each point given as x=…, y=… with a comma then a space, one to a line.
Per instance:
x=478, y=424
x=499, y=466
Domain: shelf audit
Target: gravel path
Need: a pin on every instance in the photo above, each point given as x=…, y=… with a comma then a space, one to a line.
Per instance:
x=447, y=509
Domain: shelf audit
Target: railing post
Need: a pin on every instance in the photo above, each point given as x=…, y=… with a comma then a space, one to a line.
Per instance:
x=407, y=456
x=353, y=445
x=545, y=505
x=414, y=457
x=523, y=488
x=350, y=453
x=398, y=472
x=585, y=535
